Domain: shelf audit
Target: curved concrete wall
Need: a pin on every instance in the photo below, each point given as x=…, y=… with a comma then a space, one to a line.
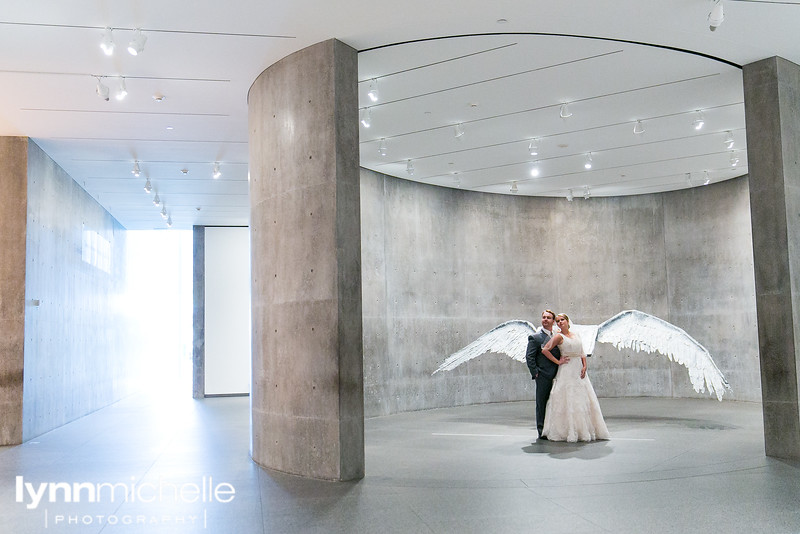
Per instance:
x=442, y=266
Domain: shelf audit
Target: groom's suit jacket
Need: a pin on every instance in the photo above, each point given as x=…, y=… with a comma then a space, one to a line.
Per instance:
x=538, y=362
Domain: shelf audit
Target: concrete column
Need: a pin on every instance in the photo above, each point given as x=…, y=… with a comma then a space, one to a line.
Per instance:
x=772, y=112
x=13, y=228
x=307, y=391
x=199, y=312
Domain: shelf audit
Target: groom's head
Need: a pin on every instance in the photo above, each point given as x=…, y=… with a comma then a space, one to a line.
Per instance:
x=548, y=316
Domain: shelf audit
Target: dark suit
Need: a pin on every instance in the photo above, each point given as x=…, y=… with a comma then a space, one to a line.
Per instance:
x=542, y=370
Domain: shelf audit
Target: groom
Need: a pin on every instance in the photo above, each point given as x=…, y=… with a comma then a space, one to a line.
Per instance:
x=542, y=369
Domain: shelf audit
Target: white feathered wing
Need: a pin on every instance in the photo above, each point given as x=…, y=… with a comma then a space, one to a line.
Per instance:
x=633, y=329
x=509, y=338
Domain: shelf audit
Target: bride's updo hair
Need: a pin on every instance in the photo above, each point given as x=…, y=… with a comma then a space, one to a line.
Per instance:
x=564, y=315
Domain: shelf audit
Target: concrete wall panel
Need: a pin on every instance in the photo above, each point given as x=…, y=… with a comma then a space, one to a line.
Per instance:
x=443, y=266
x=78, y=350
x=13, y=223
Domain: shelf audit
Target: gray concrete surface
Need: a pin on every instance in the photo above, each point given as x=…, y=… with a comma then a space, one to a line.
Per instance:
x=198, y=312
x=79, y=341
x=442, y=266
x=13, y=222
x=307, y=394
x=772, y=111
x=679, y=466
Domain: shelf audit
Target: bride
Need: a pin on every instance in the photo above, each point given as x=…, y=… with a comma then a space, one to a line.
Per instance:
x=573, y=412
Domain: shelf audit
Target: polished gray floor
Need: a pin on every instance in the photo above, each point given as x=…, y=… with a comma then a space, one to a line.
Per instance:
x=671, y=466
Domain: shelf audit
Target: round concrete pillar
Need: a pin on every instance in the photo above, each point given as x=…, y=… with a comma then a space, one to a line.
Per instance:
x=307, y=391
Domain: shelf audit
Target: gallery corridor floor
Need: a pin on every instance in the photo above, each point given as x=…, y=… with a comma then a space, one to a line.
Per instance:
x=677, y=466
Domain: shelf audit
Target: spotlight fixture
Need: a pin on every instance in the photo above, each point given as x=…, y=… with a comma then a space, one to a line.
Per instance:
x=373, y=90
x=158, y=97
x=147, y=187
x=410, y=168
x=638, y=128
x=458, y=131
x=564, y=112
x=706, y=178
x=533, y=150
x=122, y=91
x=156, y=200
x=366, y=119
x=535, y=169
x=514, y=188
x=569, y=195
x=586, y=193
x=102, y=90
x=734, y=159
x=136, y=45
x=588, y=164
x=382, y=147
x=699, y=122
x=715, y=16
x=163, y=212
x=107, y=42
x=169, y=221
x=729, y=140
x=136, y=171
x=216, y=173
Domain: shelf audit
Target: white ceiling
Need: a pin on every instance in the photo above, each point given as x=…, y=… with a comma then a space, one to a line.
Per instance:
x=613, y=62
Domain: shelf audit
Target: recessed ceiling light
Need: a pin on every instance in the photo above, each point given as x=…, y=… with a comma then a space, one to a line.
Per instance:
x=184, y=171
x=158, y=97
x=170, y=128
x=502, y=21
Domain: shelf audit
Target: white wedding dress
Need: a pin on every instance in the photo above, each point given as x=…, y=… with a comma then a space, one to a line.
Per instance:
x=573, y=412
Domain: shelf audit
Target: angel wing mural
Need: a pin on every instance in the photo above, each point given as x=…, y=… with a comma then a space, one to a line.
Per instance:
x=630, y=329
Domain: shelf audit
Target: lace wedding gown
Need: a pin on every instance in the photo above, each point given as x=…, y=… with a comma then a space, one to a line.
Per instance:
x=573, y=413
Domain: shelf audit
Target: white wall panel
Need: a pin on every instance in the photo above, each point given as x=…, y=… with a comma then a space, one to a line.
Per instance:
x=227, y=310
